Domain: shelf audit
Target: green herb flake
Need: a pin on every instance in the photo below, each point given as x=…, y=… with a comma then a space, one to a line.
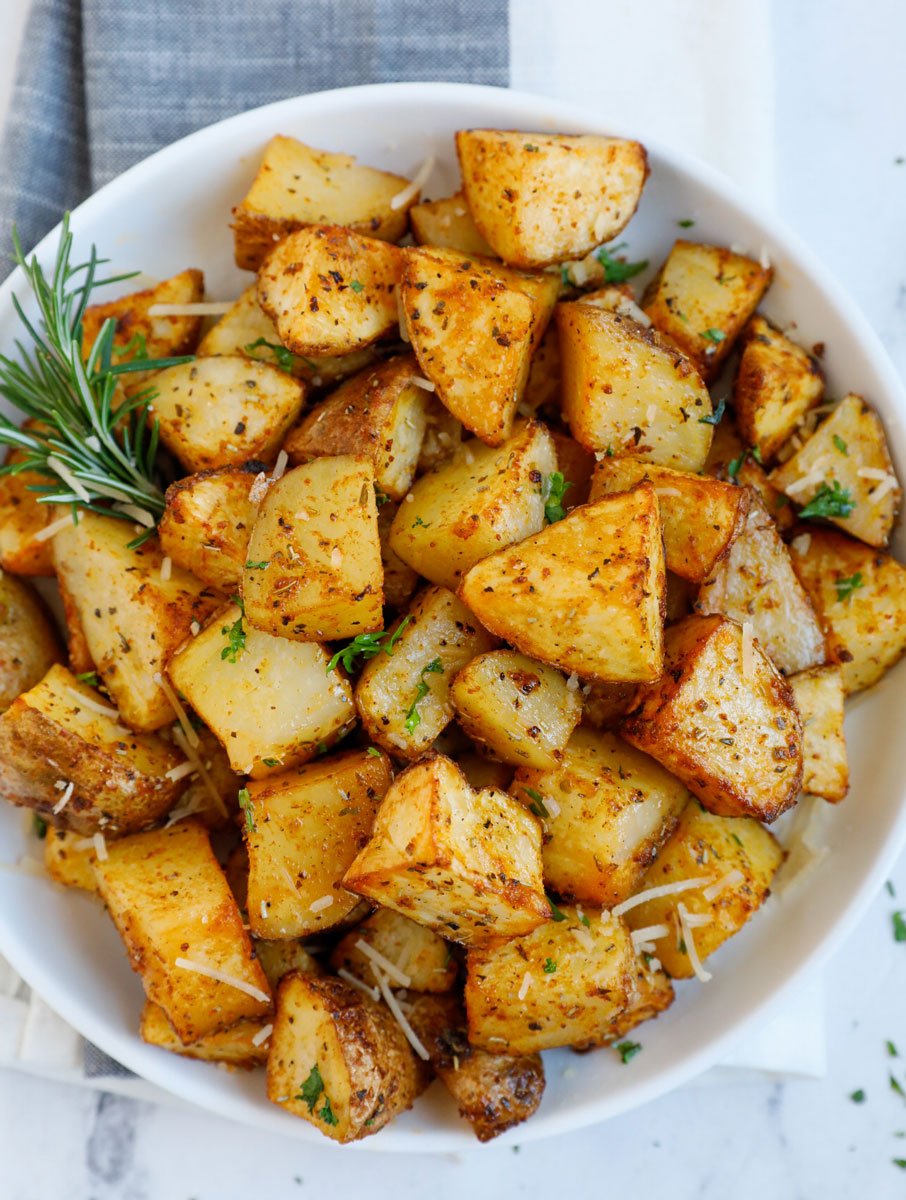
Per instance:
x=326, y=1113
x=829, y=501
x=627, y=1050
x=714, y=418
x=258, y=566
x=357, y=286
x=736, y=839
x=235, y=636
x=615, y=269
x=90, y=678
x=537, y=805
x=245, y=803
x=899, y=927
x=556, y=914
x=271, y=762
x=846, y=587
x=283, y=357
x=311, y=1089
x=373, y=752
x=583, y=920
x=841, y=445
x=413, y=717
x=899, y=1162
x=549, y=966
x=367, y=645
x=714, y=335
x=424, y=524
x=891, y=1050
x=735, y=466
x=686, y=223
x=858, y=1096
x=39, y=827
x=896, y=1086
x=553, y=489
x=891, y=890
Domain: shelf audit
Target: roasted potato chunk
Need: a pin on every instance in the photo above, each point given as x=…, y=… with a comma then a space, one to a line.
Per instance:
x=64, y=753
x=652, y=994
x=339, y=1060
x=607, y=809
x=844, y=473
x=133, y=618
x=777, y=383
x=522, y=711
x=29, y=645
x=734, y=861
x=447, y=224
x=819, y=698
x=585, y=594
x=207, y=524
x=723, y=719
x=493, y=1092
x=626, y=391
x=138, y=334
x=183, y=931
x=464, y=863
x=859, y=595
x=225, y=410
x=420, y=957
x=270, y=701
x=540, y=198
x=382, y=413
x=755, y=582
x=702, y=298
x=701, y=517
x=297, y=185
x=239, y=1046
x=403, y=698
x=482, y=500
x=24, y=548
x=69, y=859
x=330, y=291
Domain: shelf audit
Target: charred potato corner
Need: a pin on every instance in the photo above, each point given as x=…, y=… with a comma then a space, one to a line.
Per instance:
x=448, y=623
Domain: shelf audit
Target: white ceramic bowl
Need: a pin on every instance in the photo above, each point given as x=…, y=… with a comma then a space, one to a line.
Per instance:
x=172, y=211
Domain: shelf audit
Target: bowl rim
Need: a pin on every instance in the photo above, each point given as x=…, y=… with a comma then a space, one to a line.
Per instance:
x=127, y=1048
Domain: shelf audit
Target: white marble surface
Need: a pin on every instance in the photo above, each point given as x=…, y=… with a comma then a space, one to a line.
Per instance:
x=841, y=123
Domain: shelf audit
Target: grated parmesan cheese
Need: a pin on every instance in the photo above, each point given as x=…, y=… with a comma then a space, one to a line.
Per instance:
x=336, y=556
x=801, y=543
x=51, y=530
x=262, y=1035
x=373, y=992
x=401, y=317
x=64, y=799
x=195, y=308
x=320, y=904
x=412, y=189
x=166, y=568
x=378, y=960
x=394, y=1006
x=730, y=879
x=872, y=473
x=524, y=986
x=192, y=755
x=667, y=491
x=748, y=649
x=650, y=933
x=279, y=466
x=602, y=221
x=188, y=732
x=553, y=808
x=812, y=479
x=886, y=485
x=59, y=468
x=765, y=259
x=180, y=772
x=425, y=384
x=663, y=889
x=100, y=847
x=195, y=629
x=259, y=487
x=651, y=413
x=140, y=515
x=573, y=682
x=190, y=964
x=685, y=920
x=583, y=937
x=103, y=710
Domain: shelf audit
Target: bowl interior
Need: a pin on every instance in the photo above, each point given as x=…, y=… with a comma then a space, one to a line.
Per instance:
x=172, y=211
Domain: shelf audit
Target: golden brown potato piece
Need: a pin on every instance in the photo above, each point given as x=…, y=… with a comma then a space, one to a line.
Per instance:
x=540, y=198
x=755, y=582
x=627, y=391
x=223, y=411
x=339, y=1060
x=133, y=618
x=652, y=994
x=701, y=517
x=844, y=473
x=317, y=532
x=819, y=698
x=571, y=978
x=297, y=185
x=64, y=753
x=585, y=594
x=140, y=335
x=859, y=595
x=381, y=412
x=702, y=299
x=448, y=224
x=734, y=860
x=400, y=581
x=576, y=465
x=270, y=701
x=466, y=864
x=207, y=524
x=303, y=828
x=239, y=1046
x=330, y=291
x=521, y=710
x=481, y=500
x=606, y=809
x=23, y=520
x=422, y=958
x=183, y=931
x=29, y=645
x=493, y=1092
x=69, y=859
x=723, y=719
x=777, y=383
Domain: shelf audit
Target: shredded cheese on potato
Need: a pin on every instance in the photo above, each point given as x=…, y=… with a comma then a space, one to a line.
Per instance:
x=394, y=1006
x=663, y=889
x=412, y=189
x=51, y=530
x=69, y=788
x=200, y=968
x=103, y=710
x=730, y=879
x=362, y=986
x=262, y=1035
x=685, y=921
x=319, y=905
x=378, y=960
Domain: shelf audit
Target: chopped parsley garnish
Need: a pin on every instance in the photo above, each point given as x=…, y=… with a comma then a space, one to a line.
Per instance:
x=556, y=914
x=235, y=635
x=846, y=587
x=549, y=966
x=896, y=1086
x=715, y=417
x=258, y=566
x=627, y=1050
x=89, y=677
x=326, y=1113
x=537, y=805
x=899, y=1162
x=553, y=489
x=892, y=1050
x=736, y=839
x=829, y=501
x=899, y=927
x=736, y=464
x=39, y=827
x=615, y=270
x=245, y=803
x=686, y=223
x=714, y=335
x=858, y=1096
x=368, y=645
x=565, y=280
x=413, y=717
x=373, y=752
x=840, y=444
x=311, y=1089
x=424, y=524
x=283, y=356
x=356, y=286
x=271, y=762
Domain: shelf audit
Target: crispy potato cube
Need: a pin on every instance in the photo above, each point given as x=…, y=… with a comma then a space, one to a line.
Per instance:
x=723, y=719
x=133, y=619
x=652, y=994
x=577, y=465
x=581, y=975
x=848, y=452
x=585, y=594
x=473, y=326
x=207, y=524
x=60, y=733
x=702, y=299
x=627, y=391
x=317, y=531
x=776, y=384
x=142, y=335
x=403, y=698
x=540, y=198
x=735, y=859
x=522, y=711
x=330, y=291
x=339, y=1060
x=607, y=809
x=859, y=595
x=464, y=863
x=755, y=582
x=29, y=645
x=400, y=581
x=278, y=958
x=69, y=859
x=223, y=411
x=447, y=224
x=171, y=903
x=482, y=500
x=493, y=1092
x=235, y=1046
x=297, y=185
x=418, y=953
x=819, y=698
x=270, y=702
x=381, y=412
x=303, y=829
x=701, y=517
x=23, y=519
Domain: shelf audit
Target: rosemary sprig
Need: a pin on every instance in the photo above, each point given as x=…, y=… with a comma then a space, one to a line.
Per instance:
x=96, y=449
